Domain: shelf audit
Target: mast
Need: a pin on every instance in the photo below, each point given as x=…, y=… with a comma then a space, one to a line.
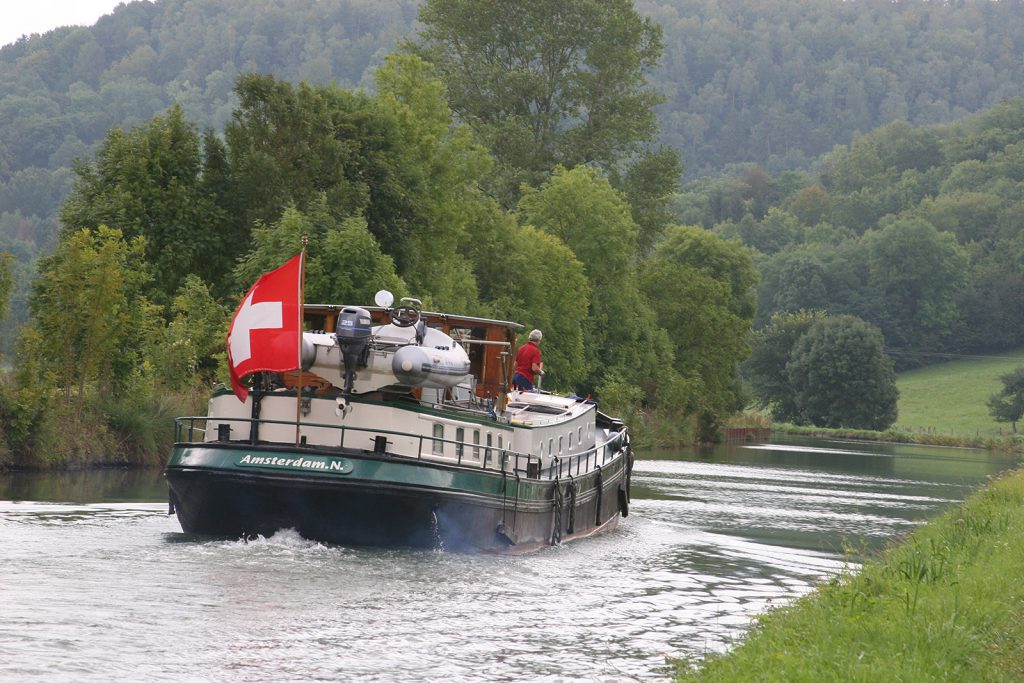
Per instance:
x=302, y=305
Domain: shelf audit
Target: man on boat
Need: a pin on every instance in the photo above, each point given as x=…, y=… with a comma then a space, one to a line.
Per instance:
x=528, y=363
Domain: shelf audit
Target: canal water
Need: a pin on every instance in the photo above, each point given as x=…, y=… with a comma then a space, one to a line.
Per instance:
x=98, y=583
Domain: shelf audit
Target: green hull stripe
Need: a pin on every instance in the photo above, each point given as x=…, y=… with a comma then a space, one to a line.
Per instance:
x=397, y=471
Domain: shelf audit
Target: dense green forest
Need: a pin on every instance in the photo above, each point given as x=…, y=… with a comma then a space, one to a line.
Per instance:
x=776, y=83
x=918, y=231
x=504, y=164
x=779, y=82
x=166, y=226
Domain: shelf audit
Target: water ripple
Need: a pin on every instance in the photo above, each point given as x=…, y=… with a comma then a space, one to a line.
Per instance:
x=99, y=591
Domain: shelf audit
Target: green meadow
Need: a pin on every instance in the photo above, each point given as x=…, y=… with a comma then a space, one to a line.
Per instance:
x=949, y=398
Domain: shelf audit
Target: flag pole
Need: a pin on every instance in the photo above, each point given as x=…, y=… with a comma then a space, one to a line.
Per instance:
x=302, y=306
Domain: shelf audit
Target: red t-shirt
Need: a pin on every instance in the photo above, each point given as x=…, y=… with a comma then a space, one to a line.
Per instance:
x=526, y=356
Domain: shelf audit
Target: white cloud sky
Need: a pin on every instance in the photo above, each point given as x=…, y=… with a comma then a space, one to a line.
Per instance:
x=22, y=17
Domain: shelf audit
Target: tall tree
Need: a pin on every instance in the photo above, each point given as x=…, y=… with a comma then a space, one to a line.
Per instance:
x=914, y=273
x=89, y=312
x=539, y=281
x=547, y=82
x=394, y=160
x=291, y=144
x=440, y=166
x=148, y=182
x=582, y=210
x=701, y=289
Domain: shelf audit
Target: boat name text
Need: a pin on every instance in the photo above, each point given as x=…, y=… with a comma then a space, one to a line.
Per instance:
x=338, y=465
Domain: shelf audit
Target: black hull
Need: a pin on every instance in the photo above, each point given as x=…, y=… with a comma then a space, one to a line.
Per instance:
x=488, y=512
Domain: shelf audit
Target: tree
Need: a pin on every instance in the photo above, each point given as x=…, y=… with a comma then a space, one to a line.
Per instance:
x=726, y=261
x=344, y=263
x=148, y=182
x=701, y=289
x=830, y=275
x=1008, y=404
x=914, y=274
x=542, y=283
x=650, y=183
x=6, y=282
x=841, y=377
x=89, y=311
x=810, y=205
x=770, y=353
x=186, y=350
x=395, y=161
x=775, y=232
x=440, y=167
x=546, y=82
x=293, y=144
x=581, y=209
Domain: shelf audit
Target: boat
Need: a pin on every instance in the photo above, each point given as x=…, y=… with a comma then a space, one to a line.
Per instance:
x=400, y=428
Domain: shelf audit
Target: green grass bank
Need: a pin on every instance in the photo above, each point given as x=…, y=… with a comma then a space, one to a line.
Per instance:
x=945, y=605
x=949, y=398
x=941, y=405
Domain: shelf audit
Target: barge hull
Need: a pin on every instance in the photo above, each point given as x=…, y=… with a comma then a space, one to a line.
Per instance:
x=386, y=502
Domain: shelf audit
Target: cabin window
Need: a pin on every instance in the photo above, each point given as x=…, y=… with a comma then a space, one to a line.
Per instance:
x=460, y=436
x=551, y=445
x=579, y=435
x=490, y=442
x=501, y=441
x=476, y=444
x=438, y=436
x=542, y=449
x=560, y=442
x=570, y=442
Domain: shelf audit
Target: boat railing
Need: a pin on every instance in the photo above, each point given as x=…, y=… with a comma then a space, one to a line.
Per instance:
x=580, y=463
x=494, y=458
x=525, y=464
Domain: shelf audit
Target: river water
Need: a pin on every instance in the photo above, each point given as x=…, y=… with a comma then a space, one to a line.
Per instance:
x=98, y=583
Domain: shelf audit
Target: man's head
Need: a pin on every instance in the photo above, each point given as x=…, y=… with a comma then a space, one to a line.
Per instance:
x=536, y=336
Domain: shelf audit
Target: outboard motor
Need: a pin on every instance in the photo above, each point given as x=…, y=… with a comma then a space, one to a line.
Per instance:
x=353, y=335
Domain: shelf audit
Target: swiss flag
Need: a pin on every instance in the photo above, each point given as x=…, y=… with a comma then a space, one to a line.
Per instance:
x=265, y=333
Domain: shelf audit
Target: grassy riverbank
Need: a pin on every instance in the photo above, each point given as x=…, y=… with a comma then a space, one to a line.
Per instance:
x=946, y=605
x=1009, y=443
x=940, y=405
x=950, y=398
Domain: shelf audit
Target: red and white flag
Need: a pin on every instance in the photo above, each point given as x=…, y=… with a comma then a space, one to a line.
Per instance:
x=265, y=333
